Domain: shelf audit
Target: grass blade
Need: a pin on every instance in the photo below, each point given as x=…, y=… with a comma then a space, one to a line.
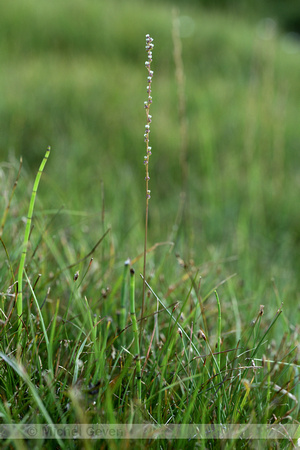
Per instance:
x=26, y=240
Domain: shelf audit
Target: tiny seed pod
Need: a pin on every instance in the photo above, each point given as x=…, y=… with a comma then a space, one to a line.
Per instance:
x=201, y=335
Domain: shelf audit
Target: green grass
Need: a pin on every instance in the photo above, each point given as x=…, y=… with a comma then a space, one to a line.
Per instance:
x=209, y=352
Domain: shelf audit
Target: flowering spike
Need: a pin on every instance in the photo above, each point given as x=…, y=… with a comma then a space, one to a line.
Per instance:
x=149, y=47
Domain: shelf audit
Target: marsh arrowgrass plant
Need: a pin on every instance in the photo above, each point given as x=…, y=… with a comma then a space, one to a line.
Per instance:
x=147, y=104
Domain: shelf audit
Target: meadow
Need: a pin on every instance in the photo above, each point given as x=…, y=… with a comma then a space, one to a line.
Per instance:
x=220, y=339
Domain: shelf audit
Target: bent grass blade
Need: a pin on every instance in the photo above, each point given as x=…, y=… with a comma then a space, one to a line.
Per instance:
x=26, y=240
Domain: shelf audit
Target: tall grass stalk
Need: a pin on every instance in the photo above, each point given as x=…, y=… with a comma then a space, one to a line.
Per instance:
x=219, y=356
x=135, y=333
x=147, y=104
x=26, y=240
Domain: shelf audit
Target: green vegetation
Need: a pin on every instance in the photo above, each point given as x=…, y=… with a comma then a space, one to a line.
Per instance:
x=220, y=335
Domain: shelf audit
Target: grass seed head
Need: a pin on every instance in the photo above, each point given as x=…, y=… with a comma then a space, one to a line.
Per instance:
x=147, y=103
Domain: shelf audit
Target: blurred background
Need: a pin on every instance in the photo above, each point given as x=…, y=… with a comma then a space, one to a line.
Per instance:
x=73, y=77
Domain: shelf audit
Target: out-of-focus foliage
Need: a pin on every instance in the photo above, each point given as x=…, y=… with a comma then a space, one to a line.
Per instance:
x=285, y=12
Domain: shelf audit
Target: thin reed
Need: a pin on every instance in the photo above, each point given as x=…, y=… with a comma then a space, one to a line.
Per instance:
x=26, y=240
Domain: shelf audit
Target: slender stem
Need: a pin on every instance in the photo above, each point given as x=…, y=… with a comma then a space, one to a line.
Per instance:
x=146, y=224
x=135, y=331
x=145, y=261
x=26, y=240
x=147, y=104
x=219, y=355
